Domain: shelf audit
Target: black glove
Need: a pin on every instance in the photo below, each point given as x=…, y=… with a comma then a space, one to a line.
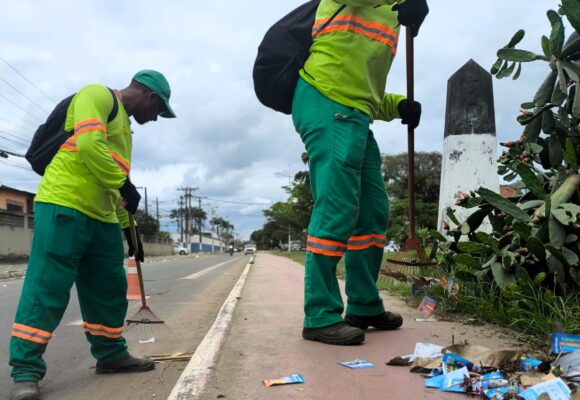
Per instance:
x=412, y=13
x=140, y=255
x=131, y=196
x=410, y=115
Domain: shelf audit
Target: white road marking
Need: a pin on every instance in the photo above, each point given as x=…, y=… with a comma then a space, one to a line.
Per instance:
x=207, y=270
x=196, y=375
x=77, y=322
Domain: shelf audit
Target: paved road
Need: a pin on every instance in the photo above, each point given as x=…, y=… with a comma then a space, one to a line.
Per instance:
x=187, y=292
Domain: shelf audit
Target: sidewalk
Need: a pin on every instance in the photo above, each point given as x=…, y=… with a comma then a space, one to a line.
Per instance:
x=265, y=342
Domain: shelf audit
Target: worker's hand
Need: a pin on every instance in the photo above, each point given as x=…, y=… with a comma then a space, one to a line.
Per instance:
x=410, y=113
x=140, y=255
x=131, y=196
x=412, y=13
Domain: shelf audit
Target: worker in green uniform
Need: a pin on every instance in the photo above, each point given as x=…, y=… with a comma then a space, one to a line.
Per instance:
x=80, y=210
x=340, y=92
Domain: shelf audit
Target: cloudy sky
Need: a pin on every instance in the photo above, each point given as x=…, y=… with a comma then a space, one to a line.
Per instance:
x=224, y=141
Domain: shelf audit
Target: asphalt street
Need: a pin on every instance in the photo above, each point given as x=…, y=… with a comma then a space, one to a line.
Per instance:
x=187, y=292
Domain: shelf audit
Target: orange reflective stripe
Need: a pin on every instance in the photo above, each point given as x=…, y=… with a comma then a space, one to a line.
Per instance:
x=352, y=23
x=325, y=241
x=31, y=334
x=366, y=241
x=123, y=165
x=325, y=246
x=102, y=330
x=325, y=252
x=375, y=26
x=89, y=125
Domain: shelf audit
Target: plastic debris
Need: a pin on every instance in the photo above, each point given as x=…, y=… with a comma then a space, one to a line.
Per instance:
x=151, y=340
x=569, y=366
x=565, y=343
x=425, y=350
x=556, y=389
x=296, y=378
x=430, y=319
x=427, y=306
x=358, y=363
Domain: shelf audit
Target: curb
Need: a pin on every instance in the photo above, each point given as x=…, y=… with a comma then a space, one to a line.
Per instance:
x=196, y=374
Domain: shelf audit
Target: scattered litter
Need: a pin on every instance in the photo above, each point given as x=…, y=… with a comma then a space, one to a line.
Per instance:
x=565, y=342
x=296, y=378
x=430, y=319
x=300, y=389
x=425, y=365
x=151, y=340
x=358, y=363
x=399, y=362
x=425, y=350
x=171, y=357
x=569, y=366
x=454, y=381
x=427, y=306
x=530, y=364
x=556, y=390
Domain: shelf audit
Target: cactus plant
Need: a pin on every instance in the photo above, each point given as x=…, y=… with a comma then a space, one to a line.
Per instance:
x=536, y=232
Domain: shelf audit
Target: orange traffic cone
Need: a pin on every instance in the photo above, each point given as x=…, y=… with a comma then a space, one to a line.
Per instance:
x=133, y=288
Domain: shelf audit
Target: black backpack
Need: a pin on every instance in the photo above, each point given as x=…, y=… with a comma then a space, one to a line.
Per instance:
x=283, y=51
x=51, y=135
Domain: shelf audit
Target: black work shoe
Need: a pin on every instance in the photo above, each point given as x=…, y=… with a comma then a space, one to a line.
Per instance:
x=386, y=321
x=126, y=364
x=340, y=334
x=25, y=390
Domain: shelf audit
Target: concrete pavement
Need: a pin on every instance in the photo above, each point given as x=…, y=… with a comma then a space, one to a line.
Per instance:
x=264, y=342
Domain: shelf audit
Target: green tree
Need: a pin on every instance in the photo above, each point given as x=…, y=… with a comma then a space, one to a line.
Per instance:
x=148, y=225
x=427, y=178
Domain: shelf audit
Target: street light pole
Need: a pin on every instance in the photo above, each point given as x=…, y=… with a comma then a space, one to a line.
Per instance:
x=289, y=176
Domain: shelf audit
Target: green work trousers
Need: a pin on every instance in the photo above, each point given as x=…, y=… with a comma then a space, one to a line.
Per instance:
x=70, y=248
x=350, y=208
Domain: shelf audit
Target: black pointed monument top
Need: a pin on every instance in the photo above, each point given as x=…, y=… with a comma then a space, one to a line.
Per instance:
x=470, y=101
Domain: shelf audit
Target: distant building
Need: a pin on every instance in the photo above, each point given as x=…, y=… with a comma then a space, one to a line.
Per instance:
x=16, y=208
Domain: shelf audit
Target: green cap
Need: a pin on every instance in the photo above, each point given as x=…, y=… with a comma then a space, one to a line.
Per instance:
x=156, y=82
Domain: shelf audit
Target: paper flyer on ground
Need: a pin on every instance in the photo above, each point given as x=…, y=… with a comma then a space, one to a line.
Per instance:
x=296, y=378
x=357, y=364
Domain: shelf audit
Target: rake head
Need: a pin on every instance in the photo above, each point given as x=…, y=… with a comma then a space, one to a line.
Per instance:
x=410, y=264
x=145, y=321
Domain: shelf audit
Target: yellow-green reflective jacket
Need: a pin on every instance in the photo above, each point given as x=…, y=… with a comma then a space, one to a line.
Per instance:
x=94, y=162
x=351, y=57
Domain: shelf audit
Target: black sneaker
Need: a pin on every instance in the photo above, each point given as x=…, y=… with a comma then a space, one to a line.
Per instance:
x=126, y=364
x=340, y=334
x=386, y=321
x=25, y=390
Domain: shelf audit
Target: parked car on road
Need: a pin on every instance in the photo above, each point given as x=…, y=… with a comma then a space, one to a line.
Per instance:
x=181, y=250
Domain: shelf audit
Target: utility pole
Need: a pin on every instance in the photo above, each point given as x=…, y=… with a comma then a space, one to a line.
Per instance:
x=181, y=218
x=289, y=187
x=157, y=206
x=200, y=221
x=211, y=224
x=188, y=195
x=146, y=209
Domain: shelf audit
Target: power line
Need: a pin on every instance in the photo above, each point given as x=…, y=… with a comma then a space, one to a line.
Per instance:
x=23, y=95
x=27, y=80
x=240, y=202
x=17, y=106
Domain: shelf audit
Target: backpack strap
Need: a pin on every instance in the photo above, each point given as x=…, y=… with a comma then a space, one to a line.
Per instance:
x=329, y=21
x=115, y=109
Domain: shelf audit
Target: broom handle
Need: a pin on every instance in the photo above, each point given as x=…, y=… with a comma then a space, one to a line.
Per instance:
x=135, y=250
x=410, y=134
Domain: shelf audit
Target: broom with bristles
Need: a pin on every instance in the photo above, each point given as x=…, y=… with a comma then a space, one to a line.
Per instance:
x=143, y=320
x=411, y=262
